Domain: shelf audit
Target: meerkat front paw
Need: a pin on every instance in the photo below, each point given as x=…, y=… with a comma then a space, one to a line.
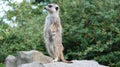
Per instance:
x=55, y=60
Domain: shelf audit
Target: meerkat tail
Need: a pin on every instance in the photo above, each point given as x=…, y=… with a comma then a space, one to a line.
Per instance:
x=63, y=59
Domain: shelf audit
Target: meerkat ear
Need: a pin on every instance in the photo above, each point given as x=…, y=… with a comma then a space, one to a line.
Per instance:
x=56, y=8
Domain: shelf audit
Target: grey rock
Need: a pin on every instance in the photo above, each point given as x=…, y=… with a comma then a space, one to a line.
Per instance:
x=10, y=61
x=33, y=64
x=32, y=56
x=35, y=58
x=76, y=63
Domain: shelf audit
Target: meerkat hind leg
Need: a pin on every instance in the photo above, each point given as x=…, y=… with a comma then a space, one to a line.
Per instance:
x=57, y=54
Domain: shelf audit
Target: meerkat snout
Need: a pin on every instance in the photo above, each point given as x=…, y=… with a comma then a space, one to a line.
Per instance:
x=44, y=7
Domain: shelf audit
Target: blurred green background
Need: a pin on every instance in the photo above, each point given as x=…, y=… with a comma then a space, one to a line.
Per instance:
x=91, y=29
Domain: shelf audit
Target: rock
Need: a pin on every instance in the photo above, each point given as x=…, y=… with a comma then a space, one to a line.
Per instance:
x=76, y=63
x=33, y=64
x=32, y=56
x=10, y=61
x=35, y=58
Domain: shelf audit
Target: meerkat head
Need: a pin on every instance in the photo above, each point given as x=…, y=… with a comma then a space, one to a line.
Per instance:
x=52, y=8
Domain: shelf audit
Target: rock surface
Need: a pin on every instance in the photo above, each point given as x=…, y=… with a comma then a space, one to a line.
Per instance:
x=33, y=64
x=35, y=58
x=32, y=56
x=76, y=63
x=10, y=61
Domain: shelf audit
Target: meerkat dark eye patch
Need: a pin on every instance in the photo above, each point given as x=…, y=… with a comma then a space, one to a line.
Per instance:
x=56, y=8
x=49, y=6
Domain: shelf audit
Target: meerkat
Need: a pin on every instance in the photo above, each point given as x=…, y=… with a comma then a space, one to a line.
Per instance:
x=53, y=33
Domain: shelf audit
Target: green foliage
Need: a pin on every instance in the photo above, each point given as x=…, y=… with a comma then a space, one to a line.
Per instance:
x=3, y=32
x=28, y=34
x=1, y=65
x=91, y=30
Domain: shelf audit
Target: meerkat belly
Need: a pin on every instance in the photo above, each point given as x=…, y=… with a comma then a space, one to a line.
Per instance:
x=48, y=37
x=47, y=26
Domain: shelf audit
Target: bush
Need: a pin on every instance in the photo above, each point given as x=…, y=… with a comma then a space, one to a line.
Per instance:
x=28, y=34
x=91, y=30
x=1, y=65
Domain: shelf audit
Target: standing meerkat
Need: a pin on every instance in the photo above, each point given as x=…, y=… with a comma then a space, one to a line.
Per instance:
x=53, y=33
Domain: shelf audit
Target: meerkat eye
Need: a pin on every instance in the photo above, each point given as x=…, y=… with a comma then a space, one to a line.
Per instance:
x=49, y=6
x=56, y=8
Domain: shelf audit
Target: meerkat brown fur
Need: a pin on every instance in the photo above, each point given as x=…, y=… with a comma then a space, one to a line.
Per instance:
x=53, y=33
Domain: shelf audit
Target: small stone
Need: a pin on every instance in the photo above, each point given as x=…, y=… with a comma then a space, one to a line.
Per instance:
x=10, y=61
x=32, y=56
